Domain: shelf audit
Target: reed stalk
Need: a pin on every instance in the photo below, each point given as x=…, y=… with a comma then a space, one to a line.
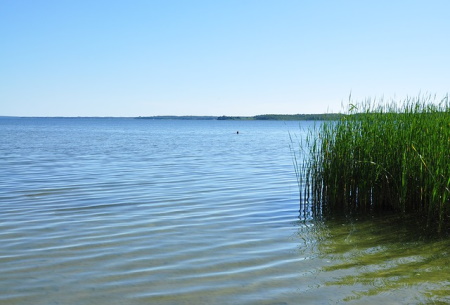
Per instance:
x=382, y=157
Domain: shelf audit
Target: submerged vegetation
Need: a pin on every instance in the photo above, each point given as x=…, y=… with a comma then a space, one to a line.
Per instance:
x=367, y=261
x=381, y=157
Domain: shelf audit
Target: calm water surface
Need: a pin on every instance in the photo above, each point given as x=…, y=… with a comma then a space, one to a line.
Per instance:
x=126, y=211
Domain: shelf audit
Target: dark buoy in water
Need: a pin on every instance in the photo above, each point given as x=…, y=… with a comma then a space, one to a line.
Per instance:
x=237, y=132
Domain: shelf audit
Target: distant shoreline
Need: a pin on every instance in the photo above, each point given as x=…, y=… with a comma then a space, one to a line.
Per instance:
x=262, y=117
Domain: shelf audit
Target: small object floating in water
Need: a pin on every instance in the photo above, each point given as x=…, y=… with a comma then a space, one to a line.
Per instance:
x=237, y=132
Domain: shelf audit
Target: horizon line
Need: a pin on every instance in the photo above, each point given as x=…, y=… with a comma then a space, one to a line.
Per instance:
x=162, y=115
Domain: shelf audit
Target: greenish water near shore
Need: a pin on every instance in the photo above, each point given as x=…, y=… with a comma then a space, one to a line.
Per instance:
x=372, y=257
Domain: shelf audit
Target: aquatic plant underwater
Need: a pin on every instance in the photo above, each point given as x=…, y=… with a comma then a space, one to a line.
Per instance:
x=380, y=157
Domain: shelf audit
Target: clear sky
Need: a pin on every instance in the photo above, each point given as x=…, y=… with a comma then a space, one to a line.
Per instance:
x=217, y=57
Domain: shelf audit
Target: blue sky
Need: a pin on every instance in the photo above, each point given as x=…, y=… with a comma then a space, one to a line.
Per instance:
x=233, y=57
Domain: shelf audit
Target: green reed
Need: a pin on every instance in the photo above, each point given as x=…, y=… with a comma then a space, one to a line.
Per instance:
x=382, y=157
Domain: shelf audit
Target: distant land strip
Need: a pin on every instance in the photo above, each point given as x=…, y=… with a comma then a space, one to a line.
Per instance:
x=262, y=117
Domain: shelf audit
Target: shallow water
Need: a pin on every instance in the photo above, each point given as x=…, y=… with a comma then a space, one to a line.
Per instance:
x=126, y=211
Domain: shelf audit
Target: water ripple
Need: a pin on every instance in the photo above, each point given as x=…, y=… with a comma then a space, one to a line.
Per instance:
x=140, y=212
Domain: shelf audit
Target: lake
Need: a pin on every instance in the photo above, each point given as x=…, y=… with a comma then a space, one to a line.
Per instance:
x=137, y=211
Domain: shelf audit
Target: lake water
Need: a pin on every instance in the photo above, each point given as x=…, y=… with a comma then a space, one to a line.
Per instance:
x=127, y=211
